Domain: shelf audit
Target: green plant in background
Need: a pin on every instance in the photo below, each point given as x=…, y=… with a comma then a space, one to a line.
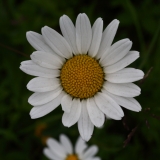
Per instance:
x=16, y=125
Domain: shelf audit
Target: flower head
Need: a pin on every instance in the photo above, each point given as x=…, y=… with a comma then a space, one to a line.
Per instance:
x=63, y=150
x=84, y=72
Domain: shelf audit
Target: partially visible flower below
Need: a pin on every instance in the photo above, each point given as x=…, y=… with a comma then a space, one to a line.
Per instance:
x=64, y=150
x=84, y=72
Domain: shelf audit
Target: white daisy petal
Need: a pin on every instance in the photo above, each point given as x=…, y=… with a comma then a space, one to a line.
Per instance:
x=69, y=32
x=107, y=38
x=66, y=143
x=117, y=51
x=125, y=61
x=57, y=148
x=83, y=33
x=123, y=89
x=51, y=155
x=90, y=152
x=85, y=126
x=108, y=106
x=47, y=60
x=33, y=69
x=95, y=158
x=128, y=103
x=80, y=146
x=66, y=103
x=72, y=117
x=40, y=84
x=96, y=37
x=44, y=97
x=57, y=42
x=95, y=114
x=125, y=75
x=42, y=110
x=37, y=41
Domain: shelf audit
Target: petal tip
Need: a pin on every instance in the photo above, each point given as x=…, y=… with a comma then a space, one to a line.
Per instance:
x=44, y=28
x=28, y=33
x=29, y=101
x=31, y=114
x=116, y=21
x=142, y=73
x=28, y=86
x=64, y=16
x=86, y=139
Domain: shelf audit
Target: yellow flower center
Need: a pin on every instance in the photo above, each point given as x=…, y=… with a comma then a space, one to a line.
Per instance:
x=82, y=76
x=72, y=157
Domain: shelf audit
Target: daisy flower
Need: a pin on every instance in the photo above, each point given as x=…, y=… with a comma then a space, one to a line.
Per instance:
x=63, y=150
x=84, y=72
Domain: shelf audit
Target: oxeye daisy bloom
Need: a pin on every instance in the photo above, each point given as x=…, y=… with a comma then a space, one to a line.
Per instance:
x=63, y=150
x=84, y=72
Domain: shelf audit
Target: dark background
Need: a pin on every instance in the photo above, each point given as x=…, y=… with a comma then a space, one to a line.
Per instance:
x=24, y=139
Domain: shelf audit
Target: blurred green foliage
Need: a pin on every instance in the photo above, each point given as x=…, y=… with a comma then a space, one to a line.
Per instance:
x=139, y=21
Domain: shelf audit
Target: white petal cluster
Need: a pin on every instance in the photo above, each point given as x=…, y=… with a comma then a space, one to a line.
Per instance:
x=52, y=51
x=60, y=150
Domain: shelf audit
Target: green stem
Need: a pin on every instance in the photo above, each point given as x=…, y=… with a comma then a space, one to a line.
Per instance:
x=14, y=50
x=137, y=25
x=153, y=42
